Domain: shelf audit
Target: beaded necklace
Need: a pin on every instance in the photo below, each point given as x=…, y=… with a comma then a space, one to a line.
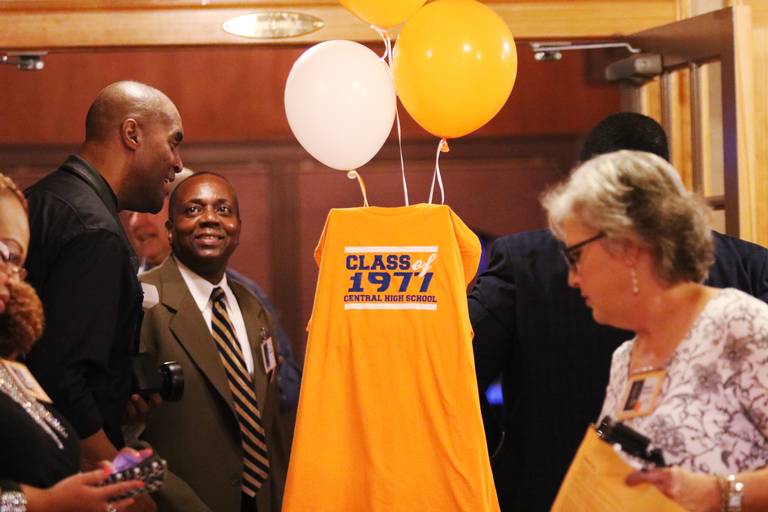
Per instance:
x=42, y=416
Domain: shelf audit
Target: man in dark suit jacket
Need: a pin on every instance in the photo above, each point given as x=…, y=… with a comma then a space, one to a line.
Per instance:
x=539, y=336
x=202, y=436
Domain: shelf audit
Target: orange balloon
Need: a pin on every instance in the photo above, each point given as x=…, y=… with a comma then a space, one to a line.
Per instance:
x=383, y=13
x=454, y=64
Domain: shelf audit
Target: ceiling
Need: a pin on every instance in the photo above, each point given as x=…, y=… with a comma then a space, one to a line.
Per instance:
x=74, y=25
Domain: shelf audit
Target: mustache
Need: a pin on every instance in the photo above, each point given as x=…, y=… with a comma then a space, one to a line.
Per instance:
x=23, y=321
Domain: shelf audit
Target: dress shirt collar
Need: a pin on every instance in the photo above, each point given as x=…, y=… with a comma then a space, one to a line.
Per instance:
x=79, y=167
x=201, y=288
x=82, y=169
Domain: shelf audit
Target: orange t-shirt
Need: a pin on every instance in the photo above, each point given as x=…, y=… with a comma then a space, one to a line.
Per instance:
x=389, y=416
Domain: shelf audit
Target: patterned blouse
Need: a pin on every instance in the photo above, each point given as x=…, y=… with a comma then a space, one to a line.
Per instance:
x=712, y=414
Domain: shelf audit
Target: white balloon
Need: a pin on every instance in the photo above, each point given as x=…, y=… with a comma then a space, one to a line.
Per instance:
x=340, y=103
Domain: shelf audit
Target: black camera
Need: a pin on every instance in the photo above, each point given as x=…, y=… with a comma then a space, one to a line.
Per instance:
x=631, y=441
x=167, y=379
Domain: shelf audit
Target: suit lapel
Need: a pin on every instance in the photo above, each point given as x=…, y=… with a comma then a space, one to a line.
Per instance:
x=189, y=328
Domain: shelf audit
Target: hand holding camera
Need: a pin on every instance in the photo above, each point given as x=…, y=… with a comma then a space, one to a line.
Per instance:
x=166, y=380
x=151, y=386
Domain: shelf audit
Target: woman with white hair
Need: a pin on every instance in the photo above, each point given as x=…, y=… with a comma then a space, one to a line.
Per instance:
x=694, y=379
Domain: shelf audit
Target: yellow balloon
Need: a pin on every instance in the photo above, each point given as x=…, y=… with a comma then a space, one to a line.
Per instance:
x=383, y=13
x=454, y=64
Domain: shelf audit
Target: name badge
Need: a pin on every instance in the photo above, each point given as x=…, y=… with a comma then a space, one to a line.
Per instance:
x=26, y=380
x=642, y=393
x=268, y=357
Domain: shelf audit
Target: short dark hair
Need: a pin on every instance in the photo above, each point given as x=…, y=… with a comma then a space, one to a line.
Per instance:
x=625, y=130
x=172, y=197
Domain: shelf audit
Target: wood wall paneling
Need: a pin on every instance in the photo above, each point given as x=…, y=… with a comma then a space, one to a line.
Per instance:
x=760, y=102
x=747, y=176
x=227, y=95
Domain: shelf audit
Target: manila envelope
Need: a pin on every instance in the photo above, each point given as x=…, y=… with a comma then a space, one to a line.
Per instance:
x=595, y=483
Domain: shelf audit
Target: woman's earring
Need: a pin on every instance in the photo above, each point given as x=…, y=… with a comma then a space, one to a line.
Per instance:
x=633, y=274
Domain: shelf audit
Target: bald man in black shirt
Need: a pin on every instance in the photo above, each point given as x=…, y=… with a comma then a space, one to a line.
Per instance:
x=83, y=267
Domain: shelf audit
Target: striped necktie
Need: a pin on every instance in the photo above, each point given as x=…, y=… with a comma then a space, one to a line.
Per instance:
x=254, y=441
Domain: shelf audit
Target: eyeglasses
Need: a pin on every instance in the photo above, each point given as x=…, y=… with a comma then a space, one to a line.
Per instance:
x=12, y=259
x=572, y=253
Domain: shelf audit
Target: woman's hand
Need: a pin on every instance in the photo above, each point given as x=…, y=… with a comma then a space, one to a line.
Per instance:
x=81, y=493
x=128, y=457
x=695, y=492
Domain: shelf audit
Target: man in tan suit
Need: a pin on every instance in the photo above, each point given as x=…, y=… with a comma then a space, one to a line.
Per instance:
x=223, y=438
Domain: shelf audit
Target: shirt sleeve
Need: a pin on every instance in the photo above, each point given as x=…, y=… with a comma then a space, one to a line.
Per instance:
x=492, y=314
x=469, y=247
x=492, y=299
x=148, y=342
x=9, y=486
x=761, y=279
x=745, y=351
x=320, y=247
x=82, y=302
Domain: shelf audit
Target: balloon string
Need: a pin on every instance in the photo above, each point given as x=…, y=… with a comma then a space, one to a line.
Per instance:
x=354, y=174
x=387, y=57
x=442, y=147
x=402, y=162
x=385, y=35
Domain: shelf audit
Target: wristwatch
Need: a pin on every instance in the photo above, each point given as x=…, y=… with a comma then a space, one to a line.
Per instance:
x=731, y=492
